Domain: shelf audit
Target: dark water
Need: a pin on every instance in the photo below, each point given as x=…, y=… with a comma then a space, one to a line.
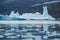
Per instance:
x=9, y=18
x=26, y=31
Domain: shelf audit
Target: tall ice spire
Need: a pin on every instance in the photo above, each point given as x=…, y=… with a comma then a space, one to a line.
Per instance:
x=46, y=15
x=45, y=11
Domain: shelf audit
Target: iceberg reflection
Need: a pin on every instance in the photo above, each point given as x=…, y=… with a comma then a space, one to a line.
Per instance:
x=29, y=31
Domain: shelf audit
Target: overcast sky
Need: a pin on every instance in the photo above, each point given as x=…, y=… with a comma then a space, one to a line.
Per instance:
x=22, y=3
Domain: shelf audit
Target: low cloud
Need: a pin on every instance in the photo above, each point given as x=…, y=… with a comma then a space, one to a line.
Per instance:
x=36, y=5
x=45, y=3
x=51, y=2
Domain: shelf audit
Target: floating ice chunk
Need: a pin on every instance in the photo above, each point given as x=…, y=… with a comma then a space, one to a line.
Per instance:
x=1, y=36
x=9, y=34
x=12, y=37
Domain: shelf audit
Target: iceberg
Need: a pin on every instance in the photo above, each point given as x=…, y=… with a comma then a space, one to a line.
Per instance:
x=31, y=16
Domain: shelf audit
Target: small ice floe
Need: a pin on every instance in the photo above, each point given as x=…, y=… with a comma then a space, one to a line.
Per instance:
x=12, y=37
x=18, y=35
x=1, y=36
x=9, y=34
